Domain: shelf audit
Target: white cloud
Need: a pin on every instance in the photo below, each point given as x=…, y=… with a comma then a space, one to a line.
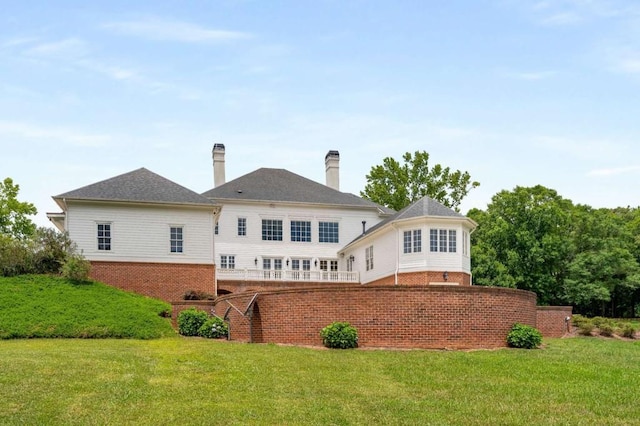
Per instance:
x=59, y=134
x=67, y=48
x=614, y=171
x=165, y=30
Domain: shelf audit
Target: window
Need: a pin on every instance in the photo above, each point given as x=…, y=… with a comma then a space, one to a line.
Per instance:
x=328, y=232
x=267, y=272
x=242, y=226
x=465, y=243
x=443, y=240
x=452, y=241
x=300, y=231
x=296, y=267
x=175, y=238
x=413, y=241
x=227, y=261
x=368, y=254
x=104, y=236
x=271, y=230
x=329, y=265
x=216, y=229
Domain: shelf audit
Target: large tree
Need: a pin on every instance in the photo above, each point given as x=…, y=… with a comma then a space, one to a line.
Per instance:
x=522, y=241
x=14, y=214
x=397, y=185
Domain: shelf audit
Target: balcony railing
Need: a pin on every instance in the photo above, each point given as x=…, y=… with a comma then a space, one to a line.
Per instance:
x=287, y=275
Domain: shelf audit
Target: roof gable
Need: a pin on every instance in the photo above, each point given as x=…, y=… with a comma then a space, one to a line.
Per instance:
x=139, y=185
x=279, y=185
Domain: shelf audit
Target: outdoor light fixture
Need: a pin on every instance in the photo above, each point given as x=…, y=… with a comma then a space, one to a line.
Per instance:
x=287, y=262
x=445, y=275
x=255, y=261
x=315, y=263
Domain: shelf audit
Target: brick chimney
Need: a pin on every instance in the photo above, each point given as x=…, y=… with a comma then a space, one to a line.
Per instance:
x=332, y=164
x=218, y=165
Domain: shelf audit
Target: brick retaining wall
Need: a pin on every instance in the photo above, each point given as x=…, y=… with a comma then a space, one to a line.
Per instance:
x=551, y=320
x=457, y=317
x=166, y=281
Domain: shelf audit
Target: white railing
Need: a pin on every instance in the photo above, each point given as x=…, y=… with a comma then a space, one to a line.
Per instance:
x=287, y=275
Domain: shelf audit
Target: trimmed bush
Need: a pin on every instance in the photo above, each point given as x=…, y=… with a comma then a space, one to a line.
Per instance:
x=190, y=320
x=214, y=328
x=577, y=319
x=629, y=331
x=524, y=336
x=606, y=329
x=586, y=327
x=339, y=335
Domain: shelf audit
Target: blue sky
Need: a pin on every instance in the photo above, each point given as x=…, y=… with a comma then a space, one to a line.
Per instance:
x=514, y=92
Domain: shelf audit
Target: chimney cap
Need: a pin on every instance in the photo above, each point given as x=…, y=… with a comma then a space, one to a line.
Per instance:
x=332, y=153
x=218, y=147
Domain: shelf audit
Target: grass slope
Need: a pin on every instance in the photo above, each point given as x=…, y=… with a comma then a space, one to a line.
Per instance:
x=196, y=381
x=46, y=306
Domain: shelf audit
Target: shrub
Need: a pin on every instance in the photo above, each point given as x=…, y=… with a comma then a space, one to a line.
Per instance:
x=629, y=331
x=578, y=319
x=586, y=327
x=76, y=268
x=606, y=329
x=524, y=336
x=197, y=295
x=598, y=321
x=339, y=335
x=190, y=320
x=214, y=328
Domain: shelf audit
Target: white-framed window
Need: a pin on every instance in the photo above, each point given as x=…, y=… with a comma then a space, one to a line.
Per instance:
x=242, y=226
x=104, y=236
x=216, y=229
x=453, y=241
x=328, y=232
x=443, y=240
x=300, y=231
x=271, y=230
x=465, y=243
x=368, y=254
x=176, y=241
x=329, y=265
x=412, y=241
x=227, y=261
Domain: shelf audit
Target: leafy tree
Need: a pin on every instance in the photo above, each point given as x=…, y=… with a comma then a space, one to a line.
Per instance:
x=14, y=214
x=522, y=241
x=397, y=185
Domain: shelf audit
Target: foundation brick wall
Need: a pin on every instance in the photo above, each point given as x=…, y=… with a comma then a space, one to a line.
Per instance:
x=425, y=278
x=551, y=320
x=166, y=281
x=457, y=317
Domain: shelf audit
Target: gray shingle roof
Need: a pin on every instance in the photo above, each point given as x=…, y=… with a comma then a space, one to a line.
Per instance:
x=139, y=185
x=423, y=207
x=279, y=185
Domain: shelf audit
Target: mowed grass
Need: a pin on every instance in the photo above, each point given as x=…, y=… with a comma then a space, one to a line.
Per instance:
x=47, y=306
x=577, y=381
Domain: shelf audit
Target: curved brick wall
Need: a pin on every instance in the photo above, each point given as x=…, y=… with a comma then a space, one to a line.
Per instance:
x=402, y=317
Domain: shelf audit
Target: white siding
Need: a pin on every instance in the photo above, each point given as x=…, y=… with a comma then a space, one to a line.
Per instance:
x=250, y=247
x=389, y=253
x=141, y=234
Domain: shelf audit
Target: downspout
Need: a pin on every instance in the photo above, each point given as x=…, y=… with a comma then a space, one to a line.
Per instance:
x=470, y=271
x=213, y=250
x=395, y=278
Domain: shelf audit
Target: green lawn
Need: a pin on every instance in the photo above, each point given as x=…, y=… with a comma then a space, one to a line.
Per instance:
x=46, y=306
x=196, y=381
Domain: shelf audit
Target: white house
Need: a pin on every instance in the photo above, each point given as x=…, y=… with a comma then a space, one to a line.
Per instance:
x=268, y=228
